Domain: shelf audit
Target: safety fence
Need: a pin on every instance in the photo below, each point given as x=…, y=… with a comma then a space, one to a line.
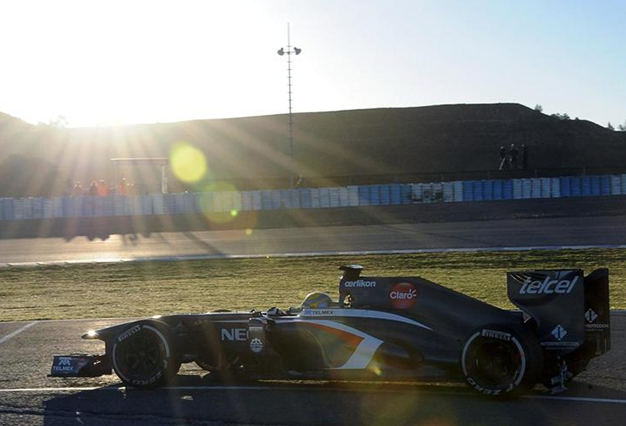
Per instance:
x=310, y=198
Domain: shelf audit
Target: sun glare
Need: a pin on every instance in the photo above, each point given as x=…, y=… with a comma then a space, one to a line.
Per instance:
x=188, y=163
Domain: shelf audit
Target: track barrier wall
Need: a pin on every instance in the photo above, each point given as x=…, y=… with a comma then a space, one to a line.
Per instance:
x=13, y=209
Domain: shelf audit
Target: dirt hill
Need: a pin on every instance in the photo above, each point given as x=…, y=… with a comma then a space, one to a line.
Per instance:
x=359, y=146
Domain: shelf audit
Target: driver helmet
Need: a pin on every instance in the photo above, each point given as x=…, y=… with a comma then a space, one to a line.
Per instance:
x=317, y=300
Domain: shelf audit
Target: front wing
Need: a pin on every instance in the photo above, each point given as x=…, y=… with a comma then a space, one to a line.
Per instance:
x=80, y=366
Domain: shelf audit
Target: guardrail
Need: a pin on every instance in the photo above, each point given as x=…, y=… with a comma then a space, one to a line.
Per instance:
x=311, y=198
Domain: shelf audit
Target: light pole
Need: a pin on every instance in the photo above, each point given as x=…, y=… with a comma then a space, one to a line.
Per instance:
x=289, y=52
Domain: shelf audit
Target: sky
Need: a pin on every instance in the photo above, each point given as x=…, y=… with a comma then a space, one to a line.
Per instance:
x=122, y=62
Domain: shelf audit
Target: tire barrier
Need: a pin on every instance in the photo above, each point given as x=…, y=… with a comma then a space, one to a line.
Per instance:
x=487, y=190
x=305, y=198
x=507, y=189
x=616, y=185
x=468, y=191
x=374, y=195
x=324, y=198
x=498, y=190
x=458, y=191
x=395, y=192
x=38, y=208
x=605, y=185
x=517, y=189
x=555, y=186
x=385, y=195
x=315, y=198
x=448, y=192
x=334, y=197
x=353, y=196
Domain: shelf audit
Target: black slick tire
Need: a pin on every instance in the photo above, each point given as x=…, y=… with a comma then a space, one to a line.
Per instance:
x=144, y=354
x=501, y=363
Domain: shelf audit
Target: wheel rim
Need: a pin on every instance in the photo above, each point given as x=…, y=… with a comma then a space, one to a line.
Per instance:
x=495, y=362
x=141, y=356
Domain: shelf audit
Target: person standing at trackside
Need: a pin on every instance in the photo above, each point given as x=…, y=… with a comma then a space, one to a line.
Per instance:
x=524, y=157
x=122, y=187
x=93, y=189
x=78, y=190
x=103, y=189
x=503, y=158
x=513, y=152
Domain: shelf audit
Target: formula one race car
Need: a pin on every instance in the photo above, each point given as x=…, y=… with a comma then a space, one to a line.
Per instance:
x=381, y=328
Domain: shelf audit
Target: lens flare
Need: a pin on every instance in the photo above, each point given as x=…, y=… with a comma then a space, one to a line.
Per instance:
x=188, y=163
x=222, y=204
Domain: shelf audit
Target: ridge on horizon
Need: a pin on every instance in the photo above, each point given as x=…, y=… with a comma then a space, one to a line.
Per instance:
x=6, y=116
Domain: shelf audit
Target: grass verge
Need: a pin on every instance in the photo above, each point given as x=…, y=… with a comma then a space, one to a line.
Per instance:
x=148, y=288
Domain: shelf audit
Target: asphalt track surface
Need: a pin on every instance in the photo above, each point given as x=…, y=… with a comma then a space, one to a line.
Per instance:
x=497, y=234
x=28, y=397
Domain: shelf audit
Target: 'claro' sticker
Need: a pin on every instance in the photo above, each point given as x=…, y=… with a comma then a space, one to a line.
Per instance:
x=403, y=295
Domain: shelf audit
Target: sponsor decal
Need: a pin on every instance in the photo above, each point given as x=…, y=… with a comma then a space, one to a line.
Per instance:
x=147, y=381
x=547, y=286
x=496, y=334
x=256, y=345
x=560, y=344
x=596, y=326
x=591, y=316
x=65, y=369
x=66, y=364
x=559, y=332
x=234, y=334
x=125, y=335
x=403, y=296
x=255, y=328
x=319, y=312
x=360, y=283
x=479, y=388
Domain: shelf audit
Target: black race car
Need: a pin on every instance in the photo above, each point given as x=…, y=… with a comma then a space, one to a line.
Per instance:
x=396, y=328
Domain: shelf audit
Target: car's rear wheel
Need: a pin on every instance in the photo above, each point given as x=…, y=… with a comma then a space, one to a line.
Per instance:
x=144, y=355
x=499, y=362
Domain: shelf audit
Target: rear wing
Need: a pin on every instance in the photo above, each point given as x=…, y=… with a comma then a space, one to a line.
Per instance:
x=572, y=312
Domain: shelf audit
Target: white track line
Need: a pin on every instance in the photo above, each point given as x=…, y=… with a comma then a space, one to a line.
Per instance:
x=311, y=254
x=16, y=332
x=300, y=389
x=577, y=399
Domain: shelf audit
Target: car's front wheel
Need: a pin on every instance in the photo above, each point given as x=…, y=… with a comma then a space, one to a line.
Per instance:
x=499, y=362
x=144, y=354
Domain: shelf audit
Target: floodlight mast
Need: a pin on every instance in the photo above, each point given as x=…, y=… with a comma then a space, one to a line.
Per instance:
x=289, y=52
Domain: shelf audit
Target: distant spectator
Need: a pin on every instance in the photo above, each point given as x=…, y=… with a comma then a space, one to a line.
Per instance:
x=524, y=157
x=103, y=189
x=513, y=152
x=122, y=187
x=503, y=158
x=93, y=189
x=78, y=190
